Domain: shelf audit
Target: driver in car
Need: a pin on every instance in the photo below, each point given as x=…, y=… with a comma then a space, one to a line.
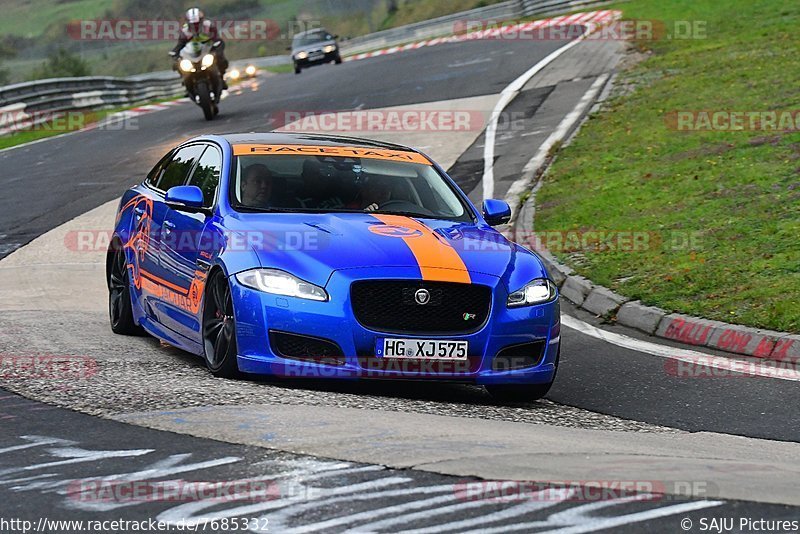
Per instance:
x=376, y=192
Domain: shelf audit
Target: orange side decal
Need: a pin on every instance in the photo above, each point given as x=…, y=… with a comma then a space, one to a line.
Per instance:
x=437, y=260
x=187, y=299
x=162, y=282
x=340, y=151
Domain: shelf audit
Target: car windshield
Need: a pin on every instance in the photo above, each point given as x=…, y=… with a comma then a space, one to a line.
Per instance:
x=324, y=184
x=305, y=39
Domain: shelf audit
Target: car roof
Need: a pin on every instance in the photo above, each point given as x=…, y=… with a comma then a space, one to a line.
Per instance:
x=275, y=138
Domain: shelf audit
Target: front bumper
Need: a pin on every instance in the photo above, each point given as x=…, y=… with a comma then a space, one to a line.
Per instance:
x=258, y=314
x=326, y=57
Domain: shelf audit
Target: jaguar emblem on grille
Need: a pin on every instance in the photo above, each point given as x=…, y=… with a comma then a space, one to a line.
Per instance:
x=468, y=316
x=422, y=297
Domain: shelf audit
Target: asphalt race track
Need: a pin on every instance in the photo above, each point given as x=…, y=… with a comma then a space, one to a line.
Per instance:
x=260, y=429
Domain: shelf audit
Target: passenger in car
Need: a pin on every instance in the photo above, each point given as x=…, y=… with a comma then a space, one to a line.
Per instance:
x=257, y=186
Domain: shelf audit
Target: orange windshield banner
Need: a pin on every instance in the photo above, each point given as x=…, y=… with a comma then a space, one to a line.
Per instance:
x=338, y=151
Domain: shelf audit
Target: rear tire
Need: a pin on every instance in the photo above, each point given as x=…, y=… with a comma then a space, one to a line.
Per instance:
x=120, y=306
x=201, y=89
x=219, y=328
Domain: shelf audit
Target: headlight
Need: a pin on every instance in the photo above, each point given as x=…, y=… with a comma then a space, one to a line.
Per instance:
x=250, y=70
x=186, y=65
x=301, y=55
x=536, y=292
x=234, y=74
x=329, y=48
x=281, y=283
x=208, y=60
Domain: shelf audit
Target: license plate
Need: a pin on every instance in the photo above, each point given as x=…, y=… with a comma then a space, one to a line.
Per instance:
x=317, y=55
x=422, y=349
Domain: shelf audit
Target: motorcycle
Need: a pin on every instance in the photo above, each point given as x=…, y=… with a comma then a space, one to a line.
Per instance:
x=197, y=64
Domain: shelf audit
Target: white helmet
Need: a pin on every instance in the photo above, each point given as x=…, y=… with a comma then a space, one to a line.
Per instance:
x=194, y=16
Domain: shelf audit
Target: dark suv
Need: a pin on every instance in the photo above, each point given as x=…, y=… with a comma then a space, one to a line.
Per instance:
x=314, y=47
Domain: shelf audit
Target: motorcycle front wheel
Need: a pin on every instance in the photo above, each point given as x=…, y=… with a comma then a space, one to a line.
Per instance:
x=204, y=99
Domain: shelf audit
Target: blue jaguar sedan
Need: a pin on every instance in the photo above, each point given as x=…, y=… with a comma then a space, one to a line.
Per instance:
x=330, y=257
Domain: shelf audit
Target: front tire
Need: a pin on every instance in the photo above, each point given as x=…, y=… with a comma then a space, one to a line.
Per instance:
x=205, y=100
x=523, y=393
x=297, y=69
x=338, y=59
x=219, y=328
x=120, y=306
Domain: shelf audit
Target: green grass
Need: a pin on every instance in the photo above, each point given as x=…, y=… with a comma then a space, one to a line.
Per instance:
x=737, y=194
x=279, y=69
x=28, y=18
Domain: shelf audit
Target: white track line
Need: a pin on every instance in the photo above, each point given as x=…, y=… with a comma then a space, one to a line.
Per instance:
x=506, y=96
x=701, y=360
x=519, y=186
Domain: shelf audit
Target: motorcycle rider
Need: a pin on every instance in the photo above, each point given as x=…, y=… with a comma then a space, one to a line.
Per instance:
x=198, y=28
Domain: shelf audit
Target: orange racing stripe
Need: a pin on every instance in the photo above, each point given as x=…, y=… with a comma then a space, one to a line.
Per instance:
x=437, y=260
x=162, y=282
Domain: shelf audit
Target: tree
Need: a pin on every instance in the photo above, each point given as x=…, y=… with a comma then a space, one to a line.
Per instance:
x=62, y=64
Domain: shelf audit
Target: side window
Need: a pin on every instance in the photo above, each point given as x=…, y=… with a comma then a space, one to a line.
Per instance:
x=155, y=173
x=206, y=174
x=178, y=168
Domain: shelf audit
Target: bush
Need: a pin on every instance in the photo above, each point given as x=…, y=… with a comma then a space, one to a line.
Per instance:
x=62, y=64
x=4, y=76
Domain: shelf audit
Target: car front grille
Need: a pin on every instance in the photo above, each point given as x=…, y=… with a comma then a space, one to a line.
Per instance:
x=390, y=306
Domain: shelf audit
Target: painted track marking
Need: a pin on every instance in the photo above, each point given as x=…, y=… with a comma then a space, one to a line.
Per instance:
x=506, y=96
x=729, y=365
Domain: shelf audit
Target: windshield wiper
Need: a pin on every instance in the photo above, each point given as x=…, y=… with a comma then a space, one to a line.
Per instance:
x=409, y=214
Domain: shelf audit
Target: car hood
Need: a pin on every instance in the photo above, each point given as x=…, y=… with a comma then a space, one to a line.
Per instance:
x=313, y=246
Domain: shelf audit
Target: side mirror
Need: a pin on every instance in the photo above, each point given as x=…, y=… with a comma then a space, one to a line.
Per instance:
x=336, y=36
x=185, y=198
x=289, y=48
x=496, y=212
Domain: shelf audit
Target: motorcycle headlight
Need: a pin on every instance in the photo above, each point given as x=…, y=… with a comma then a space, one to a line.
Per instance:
x=281, y=283
x=329, y=48
x=537, y=291
x=186, y=65
x=208, y=60
x=301, y=55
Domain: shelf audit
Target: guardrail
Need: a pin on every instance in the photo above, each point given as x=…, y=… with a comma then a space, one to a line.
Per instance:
x=30, y=103
x=430, y=28
x=74, y=94
x=530, y=8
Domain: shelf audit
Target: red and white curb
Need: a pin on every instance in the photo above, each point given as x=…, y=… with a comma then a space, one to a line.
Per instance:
x=150, y=108
x=592, y=17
